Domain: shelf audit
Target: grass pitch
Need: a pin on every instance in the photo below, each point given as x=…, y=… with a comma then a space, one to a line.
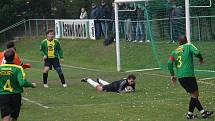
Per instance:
x=155, y=99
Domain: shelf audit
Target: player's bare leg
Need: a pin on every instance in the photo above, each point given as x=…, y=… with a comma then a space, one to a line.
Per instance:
x=6, y=118
x=99, y=88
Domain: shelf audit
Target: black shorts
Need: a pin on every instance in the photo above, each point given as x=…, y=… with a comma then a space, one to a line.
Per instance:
x=109, y=88
x=189, y=84
x=10, y=104
x=52, y=62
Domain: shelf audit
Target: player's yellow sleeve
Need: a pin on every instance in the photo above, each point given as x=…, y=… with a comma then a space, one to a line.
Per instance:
x=22, y=79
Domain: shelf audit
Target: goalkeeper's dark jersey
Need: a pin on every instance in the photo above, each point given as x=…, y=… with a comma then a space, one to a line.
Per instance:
x=12, y=79
x=118, y=86
x=182, y=58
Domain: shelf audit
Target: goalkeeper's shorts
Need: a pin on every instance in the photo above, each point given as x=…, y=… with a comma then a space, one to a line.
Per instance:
x=109, y=88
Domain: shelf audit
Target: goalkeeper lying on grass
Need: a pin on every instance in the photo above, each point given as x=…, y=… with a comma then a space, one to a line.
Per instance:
x=121, y=86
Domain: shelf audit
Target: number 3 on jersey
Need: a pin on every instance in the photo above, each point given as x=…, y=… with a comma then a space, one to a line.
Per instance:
x=179, y=59
x=7, y=86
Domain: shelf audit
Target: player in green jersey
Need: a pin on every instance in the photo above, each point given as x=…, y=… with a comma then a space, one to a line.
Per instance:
x=182, y=58
x=51, y=49
x=12, y=81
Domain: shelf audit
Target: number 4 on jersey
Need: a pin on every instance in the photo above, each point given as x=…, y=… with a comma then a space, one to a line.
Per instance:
x=7, y=86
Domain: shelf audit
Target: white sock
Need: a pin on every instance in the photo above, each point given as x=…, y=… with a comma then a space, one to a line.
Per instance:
x=202, y=111
x=103, y=82
x=93, y=83
x=190, y=113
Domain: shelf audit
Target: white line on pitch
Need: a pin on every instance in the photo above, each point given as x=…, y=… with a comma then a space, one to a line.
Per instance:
x=127, y=71
x=207, y=78
x=205, y=71
x=140, y=70
x=70, y=66
x=118, y=103
x=90, y=69
x=207, y=83
x=36, y=103
x=200, y=81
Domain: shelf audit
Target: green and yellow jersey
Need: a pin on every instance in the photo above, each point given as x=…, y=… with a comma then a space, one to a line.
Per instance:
x=182, y=58
x=51, y=49
x=12, y=79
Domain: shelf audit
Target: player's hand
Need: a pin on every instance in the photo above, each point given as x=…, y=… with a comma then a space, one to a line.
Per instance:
x=44, y=57
x=34, y=85
x=173, y=80
x=27, y=65
x=201, y=61
x=62, y=60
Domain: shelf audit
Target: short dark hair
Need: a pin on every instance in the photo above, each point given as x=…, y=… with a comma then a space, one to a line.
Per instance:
x=131, y=76
x=50, y=31
x=9, y=55
x=10, y=45
x=182, y=40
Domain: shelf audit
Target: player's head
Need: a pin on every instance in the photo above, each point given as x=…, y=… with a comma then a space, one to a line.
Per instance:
x=131, y=79
x=50, y=34
x=93, y=5
x=9, y=55
x=103, y=2
x=83, y=10
x=182, y=40
x=11, y=45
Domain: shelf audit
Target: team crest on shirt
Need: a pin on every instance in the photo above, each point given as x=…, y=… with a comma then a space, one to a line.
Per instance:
x=180, y=49
x=51, y=47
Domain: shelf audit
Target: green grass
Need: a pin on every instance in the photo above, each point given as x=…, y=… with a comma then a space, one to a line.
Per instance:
x=155, y=99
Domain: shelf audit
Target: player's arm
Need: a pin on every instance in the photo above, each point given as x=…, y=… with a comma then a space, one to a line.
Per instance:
x=42, y=48
x=121, y=89
x=170, y=65
x=171, y=69
x=60, y=51
x=17, y=60
x=196, y=53
x=129, y=89
x=133, y=87
x=23, y=81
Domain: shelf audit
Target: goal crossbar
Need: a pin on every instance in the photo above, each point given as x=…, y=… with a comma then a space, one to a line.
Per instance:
x=206, y=6
x=122, y=1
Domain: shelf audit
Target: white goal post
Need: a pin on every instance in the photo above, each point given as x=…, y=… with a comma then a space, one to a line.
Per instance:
x=122, y=1
x=117, y=29
x=187, y=10
x=202, y=6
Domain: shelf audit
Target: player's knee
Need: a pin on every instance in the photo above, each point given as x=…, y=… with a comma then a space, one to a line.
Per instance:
x=6, y=118
x=99, y=88
x=195, y=94
x=46, y=70
x=59, y=70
